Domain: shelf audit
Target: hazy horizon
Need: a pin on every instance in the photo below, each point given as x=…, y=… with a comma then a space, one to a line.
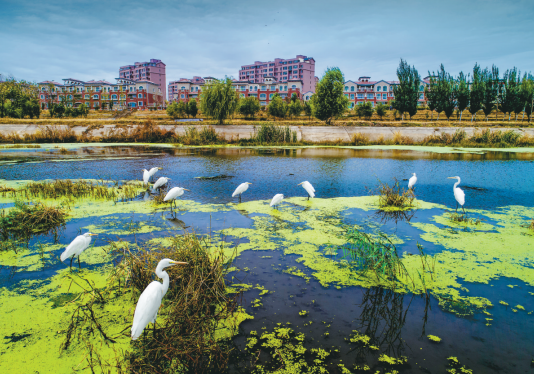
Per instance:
x=91, y=40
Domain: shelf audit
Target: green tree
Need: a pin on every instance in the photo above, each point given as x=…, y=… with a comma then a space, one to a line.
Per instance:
x=171, y=110
x=329, y=102
x=491, y=89
x=219, y=100
x=181, y=109
x=509, y=93
x=249, y=106
x=445, y=92
x=308, y=110
x=192, y=108
x=476, y=93
x=295, y=108
x=365, y=110
x=277, y=107
x=381, y=110
x=462, y=93
x=432, y=96
x=526, y=95
x=19, y=99
x=407, y=91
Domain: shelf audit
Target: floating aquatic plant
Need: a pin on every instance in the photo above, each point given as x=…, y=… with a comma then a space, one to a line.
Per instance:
x=434, y=338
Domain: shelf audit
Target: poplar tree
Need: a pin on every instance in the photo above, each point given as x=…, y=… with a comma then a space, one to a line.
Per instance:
x=462, y=93
x=329, y=102
x=407, y=91
x=431, y=94
x=476, y=94
x=491, y=89
x=446, y=99
x=526, y=95
x=509, y=95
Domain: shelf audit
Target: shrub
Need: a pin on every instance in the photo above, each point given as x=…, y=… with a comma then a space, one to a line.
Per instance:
x=249, y=106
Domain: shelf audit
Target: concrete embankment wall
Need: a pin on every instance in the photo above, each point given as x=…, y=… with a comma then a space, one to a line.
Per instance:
x=307, y=133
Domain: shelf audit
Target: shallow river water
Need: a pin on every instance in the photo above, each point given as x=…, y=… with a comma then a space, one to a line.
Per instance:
x=480, y=297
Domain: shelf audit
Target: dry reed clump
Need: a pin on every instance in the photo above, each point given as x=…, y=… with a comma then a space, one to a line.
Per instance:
x=394, y=196
x=194, y=310
x=24, y=221
x=206, y=136
x=360, y=139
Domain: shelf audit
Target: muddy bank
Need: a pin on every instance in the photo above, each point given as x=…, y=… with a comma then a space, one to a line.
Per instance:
x=304, y=133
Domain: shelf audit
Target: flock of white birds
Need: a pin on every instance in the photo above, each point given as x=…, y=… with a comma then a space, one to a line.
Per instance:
x=150, y=300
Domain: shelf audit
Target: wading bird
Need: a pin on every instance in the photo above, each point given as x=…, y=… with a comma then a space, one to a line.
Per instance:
x=147, y=174
x=76, y=247
x=173, y=194
x=309, y=188
x=240, y=189
x=149, y=302
x=459, y=195
x=276, y=200
x=412, y=182
x=160, y=182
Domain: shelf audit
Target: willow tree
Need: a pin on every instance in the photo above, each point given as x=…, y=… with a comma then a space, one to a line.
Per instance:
x=462, y=93
x=491, y=90
x=476, y=93
x=407, y=91
x=219, y=100
x=509, y=95
x=329, y=102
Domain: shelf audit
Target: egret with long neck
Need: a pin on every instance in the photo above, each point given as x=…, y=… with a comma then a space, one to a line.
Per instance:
x=459, y=195
x=149, y=302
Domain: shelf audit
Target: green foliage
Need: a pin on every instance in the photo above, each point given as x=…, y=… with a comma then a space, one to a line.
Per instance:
x=394, y=197
x=295, y=108
x=491, y=89
x=407, y=91
x=277, y=107
x=509, y=98
x=19, y=99
x=273, y=134
x=365, y=109
x=526, y=94
x=308, y=109
x=249, y=106
x=329, y=102
x=446, y=92
x=207, y=135
x=177, y=110
x=462, y=93
x=24, y=221
x=432, y=95
x=476, y=95
x=381, y=110
x=192, y=108
x=219, y=100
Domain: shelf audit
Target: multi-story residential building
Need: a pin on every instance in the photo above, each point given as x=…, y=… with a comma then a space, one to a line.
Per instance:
x=186, y=89
x=153, y=71
x=375, y=92
x=125, y=93
x=283, y=70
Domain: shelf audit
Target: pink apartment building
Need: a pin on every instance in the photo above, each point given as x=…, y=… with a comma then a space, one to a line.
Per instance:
x=283, y=70
x=153, y=71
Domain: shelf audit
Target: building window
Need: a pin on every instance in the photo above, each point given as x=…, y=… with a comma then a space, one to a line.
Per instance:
x=285, y=88
x=182, y=96
x=263, y=96
x=140, y=103
x=421, y=88
x=352, y=88
x=422, y=96
x=96, y=105
x=182, y=88
x=87, y=104
x=42, y=96
x=378, y=88
x=140, y=88
x=273, y=88
x=385, y=88
x=140, y=96
x=352, y=96
x=370, y=96
x=114, y=97
x=346, y=88
x=95, y=97
x=360, y=96
x=263, y=88
x=293, y=86
x=307, y=98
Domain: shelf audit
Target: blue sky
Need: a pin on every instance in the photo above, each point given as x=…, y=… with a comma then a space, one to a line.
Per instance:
x=51, y=40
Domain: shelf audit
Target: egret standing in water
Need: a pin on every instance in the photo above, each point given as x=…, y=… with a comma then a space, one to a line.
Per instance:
x=459, y=195
x=76, y=247
x=276, y=200
x=160, y=182
x=173, y=194
x=240, y=189
x=147, y=174
x=309, y=188
x=149, y=302
x=412, y=182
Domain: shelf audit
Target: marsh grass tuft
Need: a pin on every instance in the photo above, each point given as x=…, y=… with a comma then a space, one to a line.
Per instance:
x=462, y=218
x=24, y=221
x=269, y=133
x=195, y=312
x=394, y=196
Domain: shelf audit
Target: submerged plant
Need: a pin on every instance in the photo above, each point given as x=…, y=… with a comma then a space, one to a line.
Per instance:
x=394, y=196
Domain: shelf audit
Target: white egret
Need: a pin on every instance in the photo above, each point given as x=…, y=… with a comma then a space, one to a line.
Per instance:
x=160, y=182
x=459, y=195
x=276, y=199
x=309, y=189
x=173, y=194
x=76, y=247
x=146, y=176
x=240, y=189
x=412, y=181
x=147, y=307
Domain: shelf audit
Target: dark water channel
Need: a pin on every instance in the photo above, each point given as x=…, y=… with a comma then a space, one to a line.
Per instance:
x=398, y=323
